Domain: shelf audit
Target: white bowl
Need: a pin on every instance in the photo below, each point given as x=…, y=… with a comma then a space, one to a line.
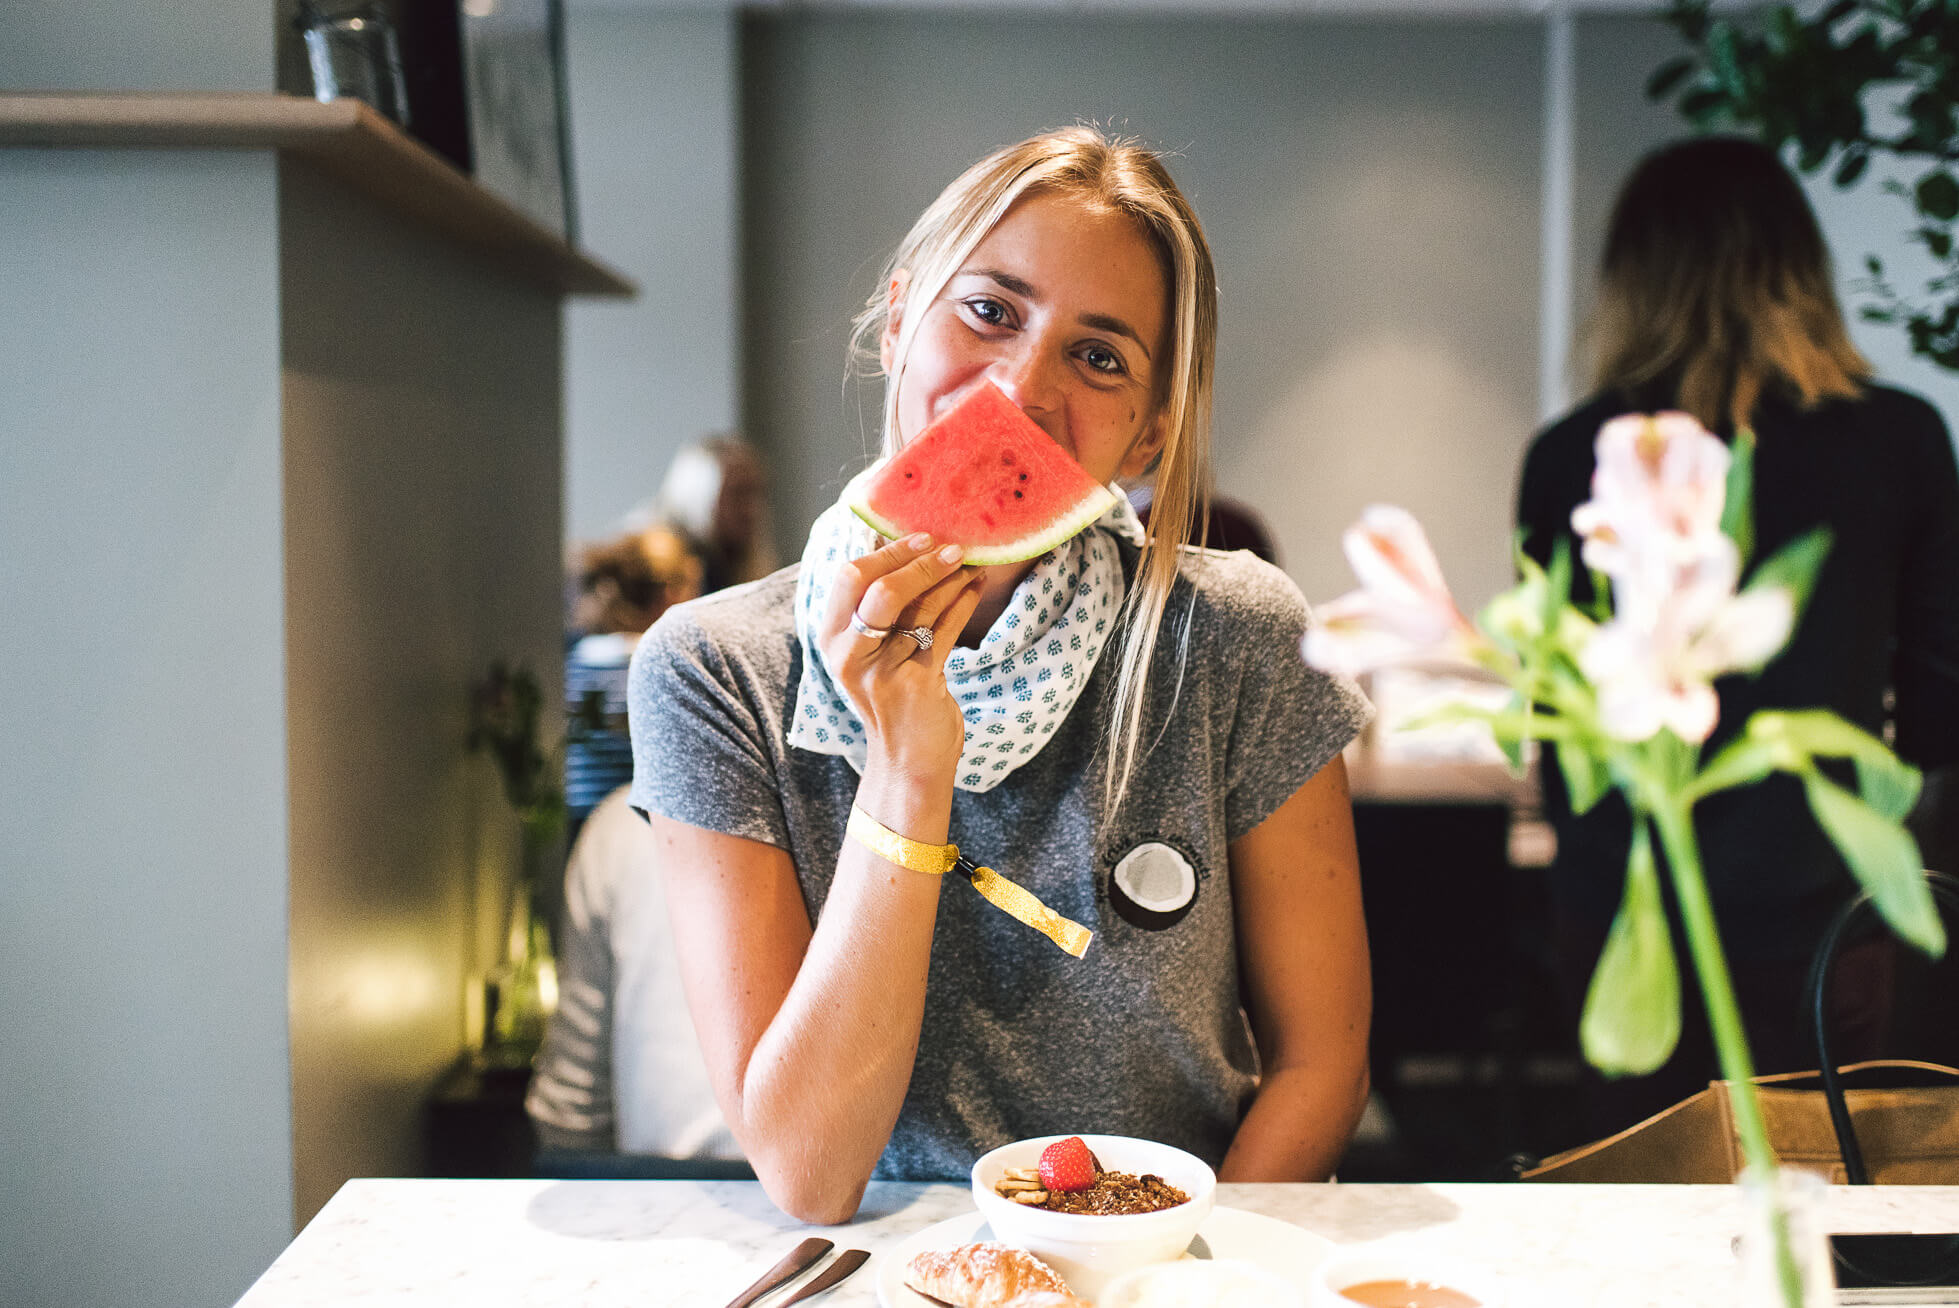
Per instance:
x=1200, y=1283
x=1090, y=1250
x=1343, y=1271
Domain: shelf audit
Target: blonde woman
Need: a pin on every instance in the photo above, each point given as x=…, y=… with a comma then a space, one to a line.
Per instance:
x=1122, y=727
x=1716, y=299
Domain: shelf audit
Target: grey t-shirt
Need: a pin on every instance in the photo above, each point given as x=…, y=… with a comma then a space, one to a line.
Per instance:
x=1142, y=1036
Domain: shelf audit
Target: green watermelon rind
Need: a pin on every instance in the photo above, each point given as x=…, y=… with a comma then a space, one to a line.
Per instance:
x=1060, y=529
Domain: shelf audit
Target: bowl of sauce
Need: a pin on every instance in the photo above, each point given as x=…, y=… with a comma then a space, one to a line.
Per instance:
x=1402, y=1279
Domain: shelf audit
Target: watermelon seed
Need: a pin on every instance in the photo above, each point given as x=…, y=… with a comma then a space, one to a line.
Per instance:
x=1019, y=495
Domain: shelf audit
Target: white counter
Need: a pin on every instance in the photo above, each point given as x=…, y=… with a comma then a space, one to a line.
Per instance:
x=643, y=1244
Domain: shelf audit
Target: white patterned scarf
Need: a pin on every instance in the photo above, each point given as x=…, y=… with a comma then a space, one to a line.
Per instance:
x=1015, y=689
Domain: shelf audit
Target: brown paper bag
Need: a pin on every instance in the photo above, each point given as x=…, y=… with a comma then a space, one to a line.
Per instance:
x=1906, y=1116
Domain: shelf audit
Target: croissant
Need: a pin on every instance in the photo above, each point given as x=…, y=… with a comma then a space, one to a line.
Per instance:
x=988, y=1276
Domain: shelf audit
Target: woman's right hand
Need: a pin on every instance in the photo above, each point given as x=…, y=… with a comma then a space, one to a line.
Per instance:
x=898, y=688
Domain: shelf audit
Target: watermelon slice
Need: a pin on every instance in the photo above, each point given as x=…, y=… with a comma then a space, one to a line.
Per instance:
x=983, y=476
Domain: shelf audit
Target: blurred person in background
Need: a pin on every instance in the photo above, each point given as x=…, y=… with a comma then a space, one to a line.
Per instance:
x=715, y=495
x=620, y=1071
x=1716, y=298
x=619, y=587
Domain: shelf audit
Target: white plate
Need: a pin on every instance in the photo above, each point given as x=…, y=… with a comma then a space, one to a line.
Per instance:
x=1287, y=1251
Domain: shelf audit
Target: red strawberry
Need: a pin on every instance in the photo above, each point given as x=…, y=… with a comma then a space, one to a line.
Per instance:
x=1067, y=1165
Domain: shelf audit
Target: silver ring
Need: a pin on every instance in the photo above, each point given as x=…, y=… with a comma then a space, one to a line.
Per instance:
x=863, y=628
x=923, y=635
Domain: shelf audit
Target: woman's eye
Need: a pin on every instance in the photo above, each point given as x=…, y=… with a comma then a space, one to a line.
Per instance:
x=1103, y=359
x=991, y=312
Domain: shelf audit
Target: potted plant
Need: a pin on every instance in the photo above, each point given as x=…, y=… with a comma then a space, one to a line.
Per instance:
x=506, y=710
x=1625, y=690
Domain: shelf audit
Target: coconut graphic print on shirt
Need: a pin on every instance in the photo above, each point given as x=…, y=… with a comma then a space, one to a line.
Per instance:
x=1153, y=886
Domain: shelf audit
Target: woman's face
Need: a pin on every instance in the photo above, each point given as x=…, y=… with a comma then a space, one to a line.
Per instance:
x=1064, y=307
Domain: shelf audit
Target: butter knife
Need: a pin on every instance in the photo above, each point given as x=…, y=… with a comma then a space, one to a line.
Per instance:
x=847, y=1262
x=797, y=1261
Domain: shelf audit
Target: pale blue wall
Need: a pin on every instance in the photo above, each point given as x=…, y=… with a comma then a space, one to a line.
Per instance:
x=653, y=139
x=145, y=1136
x=1370, y=188
x=116, y=45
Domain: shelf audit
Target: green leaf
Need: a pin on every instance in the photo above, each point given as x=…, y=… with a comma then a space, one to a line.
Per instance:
x=1795, y=566
x=1632, y=1010
x=1884, y=858
x=1513, y=746
x=1601, y=608
x=1938, y=195
x=1819, y=731
x=1890, y=789
x=1703, y=107
x=1586, y=777
x=1851, y=167
x=1557, y=583
x=1742, y=763
x=1667, y=76
x=1737, y=510
x=1501, y=722
x=1724, y=60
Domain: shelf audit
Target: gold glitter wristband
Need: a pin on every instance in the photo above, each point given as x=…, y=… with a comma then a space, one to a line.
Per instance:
x=933, y=860
x=937, y=860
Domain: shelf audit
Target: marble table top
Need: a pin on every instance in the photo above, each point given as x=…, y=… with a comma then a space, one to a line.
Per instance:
x=644, y=1244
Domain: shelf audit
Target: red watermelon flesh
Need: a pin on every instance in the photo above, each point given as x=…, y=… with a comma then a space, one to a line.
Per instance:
x=983, y=476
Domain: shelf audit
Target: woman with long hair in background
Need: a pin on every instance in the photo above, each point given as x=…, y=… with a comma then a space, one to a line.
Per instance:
x=1715, y=298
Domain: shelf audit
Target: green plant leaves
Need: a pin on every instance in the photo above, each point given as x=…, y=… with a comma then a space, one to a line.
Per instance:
x=1667, y=76
x=1938, y=195
x=1795, y=565
x=1798, y=75
x=1744, y=762
x=1884, y=858
x=1737, y=517
x=1632, y=1010
x=1867, y=828
x=1586, y=777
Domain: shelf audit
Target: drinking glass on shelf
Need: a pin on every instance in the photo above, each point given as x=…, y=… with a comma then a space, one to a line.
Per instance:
x=355, y=54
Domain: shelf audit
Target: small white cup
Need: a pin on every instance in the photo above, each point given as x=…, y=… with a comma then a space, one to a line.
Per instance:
x=1361, y=1267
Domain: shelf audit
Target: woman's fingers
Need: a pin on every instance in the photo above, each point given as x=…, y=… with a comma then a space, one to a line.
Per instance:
x=856, y=576
x=946, y=631
x=927, y=609
x=888, y=598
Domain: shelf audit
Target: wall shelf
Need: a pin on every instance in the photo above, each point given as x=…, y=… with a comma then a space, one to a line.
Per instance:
x=344, y=138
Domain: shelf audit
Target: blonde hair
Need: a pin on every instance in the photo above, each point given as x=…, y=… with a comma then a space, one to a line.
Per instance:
x=1119, y=174
x=1716, y=283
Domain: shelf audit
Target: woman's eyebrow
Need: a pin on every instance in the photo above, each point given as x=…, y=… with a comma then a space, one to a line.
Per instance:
x=1101, y=322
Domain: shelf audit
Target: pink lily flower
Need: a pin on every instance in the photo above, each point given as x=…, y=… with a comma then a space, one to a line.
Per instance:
x=1403, y=612
x=1654, y=526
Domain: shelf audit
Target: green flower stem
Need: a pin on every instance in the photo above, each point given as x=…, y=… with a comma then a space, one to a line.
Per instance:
x=1674, y=818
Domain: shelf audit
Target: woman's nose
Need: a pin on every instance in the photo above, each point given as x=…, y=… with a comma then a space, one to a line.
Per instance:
x=1031, y=379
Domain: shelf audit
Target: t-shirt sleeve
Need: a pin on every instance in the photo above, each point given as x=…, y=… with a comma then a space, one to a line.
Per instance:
x=700, y=749
x=1290, y=719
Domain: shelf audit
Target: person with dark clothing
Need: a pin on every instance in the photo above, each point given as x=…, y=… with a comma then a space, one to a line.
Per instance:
x=1716, y=299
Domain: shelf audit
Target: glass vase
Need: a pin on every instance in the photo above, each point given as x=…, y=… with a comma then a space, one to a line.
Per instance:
x=1784, y=1246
